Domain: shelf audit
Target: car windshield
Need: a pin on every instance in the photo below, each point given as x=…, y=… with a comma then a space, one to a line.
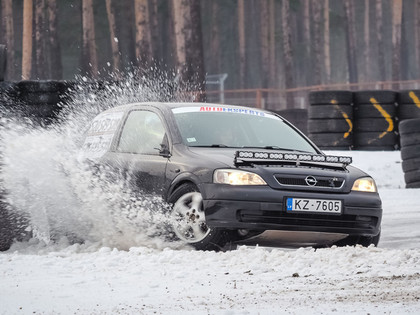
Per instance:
x=238, y=128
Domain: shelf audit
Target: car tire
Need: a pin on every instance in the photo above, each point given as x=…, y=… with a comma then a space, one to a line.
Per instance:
x=329, y=125
x=375, y=139
x=412, y=176
x=382, y=97
x=413, y=185
x=408, y=111
x=330, y=97
x=187, y=200
x=353, y=240
x=410, y=152
x=3, y=57
x=410, y=126
x=40, y=98
x=411, y=164
x=330, y=111
x=331, y=140
x=373, y=124
x=408, y=96
x=409, y=139
x=370, y=111
x=6, y=235
x=35, y=86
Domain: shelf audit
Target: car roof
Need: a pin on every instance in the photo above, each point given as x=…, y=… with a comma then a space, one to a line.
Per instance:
x=172, y=105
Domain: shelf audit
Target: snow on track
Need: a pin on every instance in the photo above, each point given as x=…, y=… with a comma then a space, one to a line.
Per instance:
x=93, y=279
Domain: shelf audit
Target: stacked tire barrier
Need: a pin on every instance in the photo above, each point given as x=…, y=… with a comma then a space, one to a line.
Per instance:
x=40, y=100
x=408, y=104
x=330, y=119
x=375, y=123
x=410, y=151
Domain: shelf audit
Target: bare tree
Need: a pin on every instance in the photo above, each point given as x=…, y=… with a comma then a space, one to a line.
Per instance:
x=396, y=40
x=417, y=35
x=366, y=52
x=55, y=66
x=143, y=47
x=307, y=40
x=272, y=42
x=179, y=13
x=317, y=50
x=8, y=35
x=241, y=33
x=327, y=58
x=154, y=29
x=89, y=55
x=116, y=58
x=264, y=20
x=194, y=49
x=215, y=37
x=189, y=45
x=287, y=52
x=379, y=39
x=27, y=40
x=40, y=65
x=351, y=40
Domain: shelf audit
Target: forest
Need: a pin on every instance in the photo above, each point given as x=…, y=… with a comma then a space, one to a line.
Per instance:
x=281, y=45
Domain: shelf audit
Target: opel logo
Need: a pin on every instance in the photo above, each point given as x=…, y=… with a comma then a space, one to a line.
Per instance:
x=310, y=180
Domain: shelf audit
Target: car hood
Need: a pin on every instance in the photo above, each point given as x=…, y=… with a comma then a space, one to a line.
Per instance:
x=223, y=156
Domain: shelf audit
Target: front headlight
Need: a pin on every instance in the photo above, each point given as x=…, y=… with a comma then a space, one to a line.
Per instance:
x=237, y=177
x=365, y=184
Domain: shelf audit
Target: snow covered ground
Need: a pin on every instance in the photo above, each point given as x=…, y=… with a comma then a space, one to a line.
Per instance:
x=39, y=278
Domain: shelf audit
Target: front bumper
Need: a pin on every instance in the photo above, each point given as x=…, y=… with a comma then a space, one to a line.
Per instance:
x=263, y=208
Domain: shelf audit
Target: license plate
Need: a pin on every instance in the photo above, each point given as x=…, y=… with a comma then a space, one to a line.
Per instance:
x=314, y=205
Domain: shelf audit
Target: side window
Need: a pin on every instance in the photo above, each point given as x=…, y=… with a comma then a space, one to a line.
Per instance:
x=143, y=132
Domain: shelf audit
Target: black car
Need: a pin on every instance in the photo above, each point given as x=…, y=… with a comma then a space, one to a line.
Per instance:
x=232, y=173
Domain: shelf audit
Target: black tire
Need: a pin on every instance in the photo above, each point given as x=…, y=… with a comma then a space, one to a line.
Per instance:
x=375, y=139
x=370, y=111
x=408, y=111
x=331, y=140
x=413, y=185
x=353, y=240
x=40, y=86
x=411, y=165
x=6, y=235
x=39, y=110
x=336, y=111
x=329, y=125
x=410, y=139
x=330, y=97
x=374, y=124
x=3, y=58
x=207, y=239
x=412, y=176
x=40, y=98
x=408, y=96
x=7, y=88
x=380, y=96
x=409, y=126
x=410, y=152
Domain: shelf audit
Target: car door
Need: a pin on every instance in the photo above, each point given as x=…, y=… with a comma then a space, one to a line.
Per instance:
x=138, y=150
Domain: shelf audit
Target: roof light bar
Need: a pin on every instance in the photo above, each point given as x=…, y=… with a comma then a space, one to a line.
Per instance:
x=247, y=156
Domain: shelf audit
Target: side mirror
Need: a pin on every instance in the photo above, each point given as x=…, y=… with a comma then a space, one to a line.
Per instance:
x=164, y=151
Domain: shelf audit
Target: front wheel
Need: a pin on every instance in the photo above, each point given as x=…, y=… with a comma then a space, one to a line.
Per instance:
x=189, y=220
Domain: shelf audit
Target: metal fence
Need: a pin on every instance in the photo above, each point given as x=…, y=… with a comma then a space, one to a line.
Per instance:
x=276, y=99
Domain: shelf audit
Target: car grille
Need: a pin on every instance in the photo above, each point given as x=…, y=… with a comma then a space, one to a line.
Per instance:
x=301, y=180
x=314, y=220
